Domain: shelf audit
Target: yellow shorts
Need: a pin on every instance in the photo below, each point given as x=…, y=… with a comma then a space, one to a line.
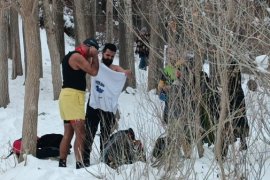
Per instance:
x=71, y=104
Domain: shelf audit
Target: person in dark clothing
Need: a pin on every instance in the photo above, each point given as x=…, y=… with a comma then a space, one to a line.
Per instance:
x=207, y=115
x=102, y=110
x=167, y=78
x=142, y=48
x=237, y=106
x=123, y=148
x=238, y=126
x=75, y=65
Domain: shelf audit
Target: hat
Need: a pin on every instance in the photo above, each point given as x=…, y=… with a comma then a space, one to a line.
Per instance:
x=17, y=144
x=91, y=42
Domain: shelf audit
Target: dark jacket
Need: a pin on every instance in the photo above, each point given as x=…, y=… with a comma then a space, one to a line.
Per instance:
x=122, y=148
x=237, y=103
x=141, y=47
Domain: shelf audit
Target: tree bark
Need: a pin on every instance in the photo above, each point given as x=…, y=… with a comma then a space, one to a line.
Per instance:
x=53, y=48
x=129, y=43
x=156, y=48
x=25, y=52
x=15, y=43
x=32, y=40
x=90, y=15
x=4, y=94
x=58, y=8
x=109, y=21
x=145, y=13
x=79, y=20
x=122, y=37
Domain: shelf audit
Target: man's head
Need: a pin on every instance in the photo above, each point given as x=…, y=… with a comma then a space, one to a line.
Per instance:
x=91, y=42
x=86, y=47
x=108, y=54
x=143, y=30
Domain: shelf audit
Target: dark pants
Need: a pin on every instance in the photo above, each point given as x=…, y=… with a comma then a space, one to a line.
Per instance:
x=93, y=118
x=166, y=112
x=143, y=62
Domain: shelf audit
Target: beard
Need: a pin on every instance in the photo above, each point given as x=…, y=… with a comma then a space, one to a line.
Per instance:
x=107, y=62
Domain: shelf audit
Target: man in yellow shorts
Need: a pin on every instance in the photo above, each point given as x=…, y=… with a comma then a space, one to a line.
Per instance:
x=75, y=65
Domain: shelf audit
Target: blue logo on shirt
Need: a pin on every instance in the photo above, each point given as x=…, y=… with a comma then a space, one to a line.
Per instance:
x=99, y=87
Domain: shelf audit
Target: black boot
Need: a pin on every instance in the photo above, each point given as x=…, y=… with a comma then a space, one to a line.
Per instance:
x=62, y=163
x=243, y=144
x=79, y=165
x=86, y=162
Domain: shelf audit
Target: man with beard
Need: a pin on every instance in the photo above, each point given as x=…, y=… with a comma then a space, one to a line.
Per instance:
x=102, y=105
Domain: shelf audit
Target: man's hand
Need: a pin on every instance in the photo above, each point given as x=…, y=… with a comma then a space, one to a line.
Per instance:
x=128, y=73
x=93, y=51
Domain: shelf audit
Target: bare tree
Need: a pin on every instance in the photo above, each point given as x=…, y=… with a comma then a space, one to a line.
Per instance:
x=126, y=40
x=109, y=21
x=53, y=48
x=4, y=94
x=57, y=9
x=15, y=43
x=156, y=45
x=30, y=117
x=143, y=11
x=90, y=17
x=129, y=42
x=122, y=36
x=25, y=52
x=79, y=20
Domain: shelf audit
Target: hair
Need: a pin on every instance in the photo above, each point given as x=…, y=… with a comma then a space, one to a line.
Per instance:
x=109, y=46
x=131, y=133
x=144, y=30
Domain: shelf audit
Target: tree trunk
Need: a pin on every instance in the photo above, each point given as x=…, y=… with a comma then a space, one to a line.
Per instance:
x=32, y=41
x=38, y=48
x=90, y=26
x=122, y=37
x=25, y=52
x=79, y=21
x=53, y=48
x=145, y=13
x=156, y=48
x=90, y=6
x=58, y=8
x=94, y=17
x=4, y=94
x=9, y=44
x=15, y=43
x=109, y=21
x=129, y=43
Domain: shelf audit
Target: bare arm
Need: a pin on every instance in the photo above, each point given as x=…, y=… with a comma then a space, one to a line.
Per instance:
x=127, y=72
x=90, y=66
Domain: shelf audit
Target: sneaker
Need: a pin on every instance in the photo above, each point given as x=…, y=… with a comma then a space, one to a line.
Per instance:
x=62, y=163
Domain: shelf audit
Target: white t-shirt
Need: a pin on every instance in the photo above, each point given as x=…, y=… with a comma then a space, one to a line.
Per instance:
x=106, y=88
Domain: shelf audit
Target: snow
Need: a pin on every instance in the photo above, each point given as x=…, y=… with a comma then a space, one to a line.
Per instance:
x=262, y=62
x=138, y=109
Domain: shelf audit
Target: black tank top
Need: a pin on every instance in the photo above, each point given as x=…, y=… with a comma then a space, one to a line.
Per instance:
x=72, y=78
